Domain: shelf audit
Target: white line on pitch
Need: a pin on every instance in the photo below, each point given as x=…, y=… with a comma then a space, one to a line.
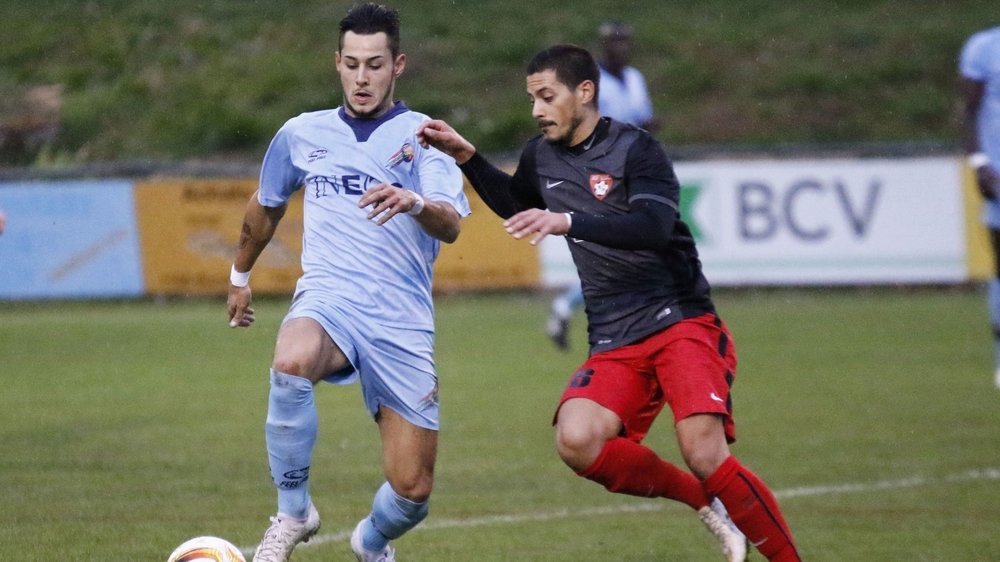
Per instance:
x=806, y=491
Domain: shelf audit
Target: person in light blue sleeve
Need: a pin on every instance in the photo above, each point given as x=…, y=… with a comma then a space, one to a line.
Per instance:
x=624, y=95
x=979, y=67
x=377, y=206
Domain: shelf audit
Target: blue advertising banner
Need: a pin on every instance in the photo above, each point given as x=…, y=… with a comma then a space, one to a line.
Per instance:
x=69, y=239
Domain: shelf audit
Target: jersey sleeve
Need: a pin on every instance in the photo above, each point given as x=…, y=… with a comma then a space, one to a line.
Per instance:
x=650, y=174
x=646, y=226
x=972, y=61
x=279, y=177
x=441, y=180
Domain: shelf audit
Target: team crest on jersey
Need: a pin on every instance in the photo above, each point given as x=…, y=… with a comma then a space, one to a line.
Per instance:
x=404, y=154
x=600, y=185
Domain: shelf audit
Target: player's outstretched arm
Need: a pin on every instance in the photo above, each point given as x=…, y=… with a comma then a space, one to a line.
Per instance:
x=445, y=138
x=504, y=194
x=259, y=224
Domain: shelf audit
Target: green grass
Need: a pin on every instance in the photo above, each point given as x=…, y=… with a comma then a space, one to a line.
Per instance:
x=127, y=427
x=215, y=78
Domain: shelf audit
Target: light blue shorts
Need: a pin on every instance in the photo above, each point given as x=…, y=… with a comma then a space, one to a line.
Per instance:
x=395, y=365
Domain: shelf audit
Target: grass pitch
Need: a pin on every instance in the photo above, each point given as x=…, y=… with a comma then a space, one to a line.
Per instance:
x=128, y=427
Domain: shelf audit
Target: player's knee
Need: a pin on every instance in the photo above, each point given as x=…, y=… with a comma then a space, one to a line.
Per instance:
x=582, y=429
x=290, y=365
x=702, y=441
x=704, y=461
x=578, y=446
x=416, y=488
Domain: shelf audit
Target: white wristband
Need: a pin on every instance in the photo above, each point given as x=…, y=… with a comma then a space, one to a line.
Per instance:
x=239, y=278
x=978, y=160
x=417, y=207
x=569, y=221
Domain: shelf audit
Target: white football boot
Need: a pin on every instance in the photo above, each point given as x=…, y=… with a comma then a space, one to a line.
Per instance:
x=732, y=540
x=387, y=554
x=284, y=533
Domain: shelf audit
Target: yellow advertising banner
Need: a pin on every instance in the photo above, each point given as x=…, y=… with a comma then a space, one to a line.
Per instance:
x=980, y=257
x=189, y=229
x=485, y=256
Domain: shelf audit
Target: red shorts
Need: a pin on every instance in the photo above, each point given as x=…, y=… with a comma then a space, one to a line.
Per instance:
x=690, y=365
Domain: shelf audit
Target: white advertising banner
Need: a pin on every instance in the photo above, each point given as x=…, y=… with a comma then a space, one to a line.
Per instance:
x=817, y=222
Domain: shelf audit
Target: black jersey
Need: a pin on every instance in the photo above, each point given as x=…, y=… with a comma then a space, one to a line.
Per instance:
x=639, y=274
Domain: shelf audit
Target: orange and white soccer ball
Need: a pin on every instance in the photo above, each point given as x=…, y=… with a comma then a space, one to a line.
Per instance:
x=206, y=549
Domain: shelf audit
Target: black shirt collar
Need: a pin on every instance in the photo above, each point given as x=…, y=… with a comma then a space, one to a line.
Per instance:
x=600, y=133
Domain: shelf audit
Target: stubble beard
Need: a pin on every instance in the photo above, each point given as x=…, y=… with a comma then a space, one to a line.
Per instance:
x=574, y=124
x=382, y=106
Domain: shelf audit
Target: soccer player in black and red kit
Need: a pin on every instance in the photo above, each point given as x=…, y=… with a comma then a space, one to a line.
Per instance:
x=655, y=338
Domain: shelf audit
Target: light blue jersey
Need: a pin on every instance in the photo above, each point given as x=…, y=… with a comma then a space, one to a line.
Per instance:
x=980, y=61
x=380, y=272
x=625, y=99
x=369, y=286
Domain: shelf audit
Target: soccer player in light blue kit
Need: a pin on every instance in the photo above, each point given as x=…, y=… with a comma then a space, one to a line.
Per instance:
x=377, y=206
x=979, y=66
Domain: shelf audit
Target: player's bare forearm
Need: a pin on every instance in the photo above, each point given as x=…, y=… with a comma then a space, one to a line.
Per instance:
x=438, y=219
x=445, y=138
x=259, y=224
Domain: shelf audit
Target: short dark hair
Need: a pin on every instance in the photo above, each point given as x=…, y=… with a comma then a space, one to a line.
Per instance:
x=615, y=30
x=371, y=18
x=572, y=65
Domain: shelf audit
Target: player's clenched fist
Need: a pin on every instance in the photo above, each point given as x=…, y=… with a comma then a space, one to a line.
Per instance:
x=443, y=137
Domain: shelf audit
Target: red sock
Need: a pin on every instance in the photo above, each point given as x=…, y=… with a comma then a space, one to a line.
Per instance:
x=752, y=506
x=626, y=467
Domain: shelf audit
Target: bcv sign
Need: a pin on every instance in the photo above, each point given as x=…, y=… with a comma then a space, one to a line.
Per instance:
x=827, y=221
x=811, y=209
